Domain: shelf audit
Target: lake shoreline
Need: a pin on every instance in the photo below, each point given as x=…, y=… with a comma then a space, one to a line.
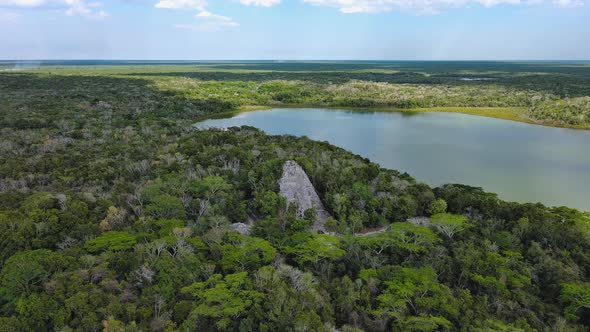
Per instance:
x=504, y=113
x=443, y=147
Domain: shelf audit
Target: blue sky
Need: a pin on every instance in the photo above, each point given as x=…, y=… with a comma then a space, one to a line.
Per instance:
x=295, y=29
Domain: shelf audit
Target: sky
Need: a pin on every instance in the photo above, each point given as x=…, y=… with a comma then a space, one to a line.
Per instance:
x=295, y=29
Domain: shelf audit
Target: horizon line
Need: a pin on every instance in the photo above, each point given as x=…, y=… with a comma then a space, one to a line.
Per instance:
x=301, y=60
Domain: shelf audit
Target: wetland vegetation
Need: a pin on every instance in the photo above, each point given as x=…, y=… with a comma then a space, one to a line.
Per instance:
x=550, y=93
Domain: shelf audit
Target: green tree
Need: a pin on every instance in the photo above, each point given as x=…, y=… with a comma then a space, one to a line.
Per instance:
x=168, y=225
x=576, y=297
x=113, y=241
x=223, y=299
x=15, y=235
x=401, y=236
x=449, y=224
x=437, y=206
x=425, y=323
x=417, y=300
x=314, y=248
x=245, y=252
x=39, y=312
x=26, y=271
x=270, y=203
x=212, y=186
x=165, y=206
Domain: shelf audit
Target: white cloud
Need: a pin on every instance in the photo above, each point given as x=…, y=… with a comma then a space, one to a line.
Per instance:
x=70, y=7
x=23, y=3
x=491, y=3
x=181, y=4
x=421, y=6
x=207, y=21
x=260, y=3
x=79, y=7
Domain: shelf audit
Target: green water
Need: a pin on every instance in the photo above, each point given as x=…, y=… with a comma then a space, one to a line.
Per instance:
x=520, y=162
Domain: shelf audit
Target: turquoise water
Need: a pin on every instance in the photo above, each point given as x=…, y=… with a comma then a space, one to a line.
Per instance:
x=520, y=162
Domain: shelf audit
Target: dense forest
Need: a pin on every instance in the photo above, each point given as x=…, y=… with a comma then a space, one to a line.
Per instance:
x=115, y=215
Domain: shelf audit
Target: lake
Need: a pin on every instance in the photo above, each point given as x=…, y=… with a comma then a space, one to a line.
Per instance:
x=518, y=161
